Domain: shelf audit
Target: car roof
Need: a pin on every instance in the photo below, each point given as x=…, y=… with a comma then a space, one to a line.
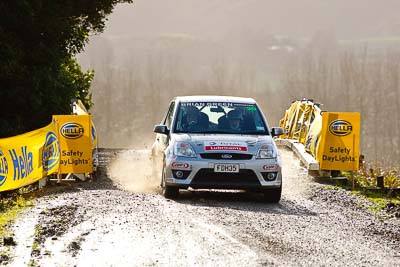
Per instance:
x=213, y=98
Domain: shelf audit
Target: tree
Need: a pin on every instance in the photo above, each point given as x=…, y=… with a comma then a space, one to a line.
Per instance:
x=38, y=72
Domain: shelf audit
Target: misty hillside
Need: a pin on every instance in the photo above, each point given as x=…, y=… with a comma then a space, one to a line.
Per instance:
x=336, y=52
x=349, y=19
x=260, y=33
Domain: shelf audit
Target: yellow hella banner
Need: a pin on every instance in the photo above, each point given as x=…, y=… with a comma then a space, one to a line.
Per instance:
x=27, y=158
x=339, y=144
x=75, y=136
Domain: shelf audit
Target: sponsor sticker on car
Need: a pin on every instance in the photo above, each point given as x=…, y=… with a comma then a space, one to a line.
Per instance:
x=225, y=146
x=271, y=167
x=180, y=166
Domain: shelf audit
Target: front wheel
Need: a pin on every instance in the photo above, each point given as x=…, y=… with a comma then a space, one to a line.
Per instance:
x=272, y=195
x=170, y=192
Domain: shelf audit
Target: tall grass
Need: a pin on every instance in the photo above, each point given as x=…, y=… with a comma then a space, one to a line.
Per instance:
x=354, y=79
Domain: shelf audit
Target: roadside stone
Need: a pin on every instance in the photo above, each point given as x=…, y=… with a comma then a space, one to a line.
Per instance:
x=393, y=209
x=74, y=246
x=9, y=241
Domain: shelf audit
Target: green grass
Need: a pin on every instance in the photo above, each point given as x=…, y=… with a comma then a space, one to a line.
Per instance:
x=379, y=199
x=9, y=210
x=5, y=252
x=32, y=263
x=35, y=245
x=13, y=204
x=37, y=230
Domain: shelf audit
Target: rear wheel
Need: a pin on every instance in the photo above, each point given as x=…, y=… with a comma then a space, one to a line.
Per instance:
x=272, y=195
x=170, y=192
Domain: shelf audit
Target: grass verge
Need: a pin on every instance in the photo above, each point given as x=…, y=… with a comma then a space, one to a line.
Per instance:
x=380, y=199
x=10, y=207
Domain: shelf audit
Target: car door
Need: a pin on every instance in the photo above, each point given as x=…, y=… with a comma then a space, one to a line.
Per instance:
x=162, y=140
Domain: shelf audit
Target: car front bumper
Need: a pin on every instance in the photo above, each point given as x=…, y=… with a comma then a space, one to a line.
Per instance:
x=199, y=173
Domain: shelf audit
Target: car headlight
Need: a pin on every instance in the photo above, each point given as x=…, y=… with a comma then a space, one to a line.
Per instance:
x=266, y=152
x=184, y=150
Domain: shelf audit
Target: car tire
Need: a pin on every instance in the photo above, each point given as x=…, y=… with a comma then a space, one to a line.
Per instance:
x=272, y=195
x=169, y=192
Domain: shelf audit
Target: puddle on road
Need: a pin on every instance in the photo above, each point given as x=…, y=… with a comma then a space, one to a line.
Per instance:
x=132, y=170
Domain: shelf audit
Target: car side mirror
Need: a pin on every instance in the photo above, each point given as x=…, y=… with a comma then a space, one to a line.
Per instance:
x=161, y=129
x=276, y=131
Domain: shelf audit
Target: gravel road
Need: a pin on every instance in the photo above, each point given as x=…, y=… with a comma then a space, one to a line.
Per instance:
x=114, y=222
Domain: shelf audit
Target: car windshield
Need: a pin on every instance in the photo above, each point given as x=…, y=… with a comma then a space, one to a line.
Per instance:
x=219, y=117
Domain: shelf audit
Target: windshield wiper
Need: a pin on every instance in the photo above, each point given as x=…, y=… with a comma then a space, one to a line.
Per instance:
x=252, y=132
x=205, y=132
x=200, y=132
x=222, y=131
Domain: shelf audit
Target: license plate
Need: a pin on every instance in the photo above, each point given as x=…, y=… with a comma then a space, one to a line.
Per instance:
x=226, y=167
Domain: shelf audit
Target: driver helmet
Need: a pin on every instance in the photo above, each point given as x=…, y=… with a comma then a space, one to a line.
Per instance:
x=192, y=114
x=235, y=117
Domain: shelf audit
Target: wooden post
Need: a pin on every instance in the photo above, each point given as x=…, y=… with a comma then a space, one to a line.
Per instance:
x=380, y=182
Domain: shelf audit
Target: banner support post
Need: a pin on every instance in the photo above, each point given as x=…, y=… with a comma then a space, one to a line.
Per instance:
x=59, y=177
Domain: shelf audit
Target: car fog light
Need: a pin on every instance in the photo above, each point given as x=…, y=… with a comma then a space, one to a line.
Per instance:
x=269, y=176
x=179, y=174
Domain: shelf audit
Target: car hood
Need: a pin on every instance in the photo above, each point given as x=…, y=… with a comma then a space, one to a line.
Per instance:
x=224, y=142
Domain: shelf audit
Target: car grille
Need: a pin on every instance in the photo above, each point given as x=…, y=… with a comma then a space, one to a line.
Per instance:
x=207, y=178
x=226, y=156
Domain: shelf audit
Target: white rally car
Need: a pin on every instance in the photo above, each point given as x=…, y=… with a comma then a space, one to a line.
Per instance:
x=217, y=142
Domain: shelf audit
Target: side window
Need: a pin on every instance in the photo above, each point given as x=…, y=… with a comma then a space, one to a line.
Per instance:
x=260, y=126
x=168, y=118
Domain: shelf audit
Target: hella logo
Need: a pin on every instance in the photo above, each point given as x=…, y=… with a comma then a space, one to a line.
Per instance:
x=3, y=168
x=226, y=156
x=340, y=128
x=72, y=130
x=51, y=152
